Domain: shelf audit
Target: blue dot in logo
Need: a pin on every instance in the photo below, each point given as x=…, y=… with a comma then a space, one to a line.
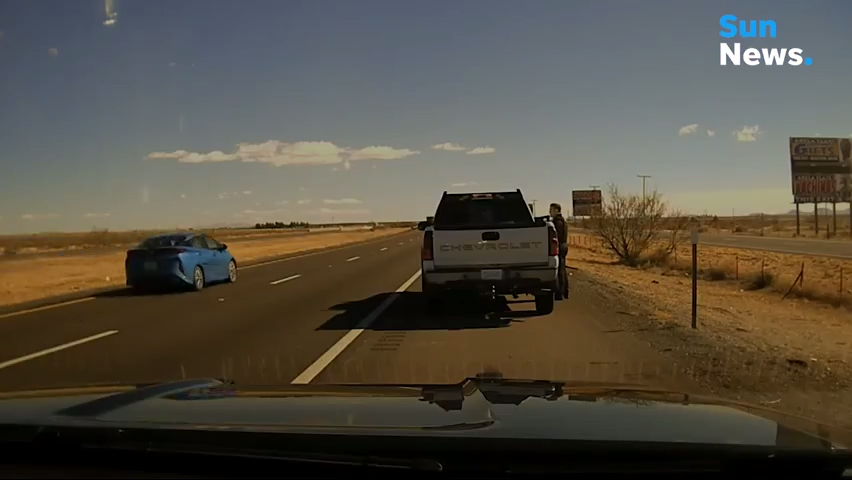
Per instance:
x=809, y=61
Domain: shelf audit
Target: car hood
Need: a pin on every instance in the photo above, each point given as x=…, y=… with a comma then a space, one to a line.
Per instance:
x=474, y=408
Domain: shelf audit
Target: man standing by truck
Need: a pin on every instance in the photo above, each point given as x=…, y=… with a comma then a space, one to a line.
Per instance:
x=562, y=236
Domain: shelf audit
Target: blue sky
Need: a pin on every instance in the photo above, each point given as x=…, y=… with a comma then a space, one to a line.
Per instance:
x=567, y=94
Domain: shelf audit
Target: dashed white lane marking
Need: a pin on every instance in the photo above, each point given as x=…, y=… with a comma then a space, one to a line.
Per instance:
x=401, y=243
x=46, y=307
x=383, y=249
x=326, y=358
x=55, y=349
x=291, y=277
x=352, y=259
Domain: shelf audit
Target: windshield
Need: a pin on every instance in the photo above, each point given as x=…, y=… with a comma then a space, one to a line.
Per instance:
x=166, y=241
x=482, y=209
x=389, y=192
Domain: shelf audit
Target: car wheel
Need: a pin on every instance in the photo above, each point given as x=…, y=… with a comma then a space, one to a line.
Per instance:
x=544, y=303
x=232, y=271
x=198, y=278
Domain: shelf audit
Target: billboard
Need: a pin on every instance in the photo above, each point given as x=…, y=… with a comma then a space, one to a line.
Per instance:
x=821, y=169
x=586, y=203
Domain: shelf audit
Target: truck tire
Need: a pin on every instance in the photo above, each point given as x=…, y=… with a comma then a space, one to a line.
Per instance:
x=544, y=303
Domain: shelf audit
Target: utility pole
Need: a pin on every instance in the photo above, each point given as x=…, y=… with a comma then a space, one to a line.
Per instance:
x=643, y=177
x=594, y=187
x=533, y=206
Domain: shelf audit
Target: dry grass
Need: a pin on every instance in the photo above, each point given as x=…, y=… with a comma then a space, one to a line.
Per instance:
x=783, y=226
x=826, y=280
x=54, y=242
x=29, y=279
x=792, y=353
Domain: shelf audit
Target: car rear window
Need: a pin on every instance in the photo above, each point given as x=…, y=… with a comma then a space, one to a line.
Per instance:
x=166, y=241
x=483, y=210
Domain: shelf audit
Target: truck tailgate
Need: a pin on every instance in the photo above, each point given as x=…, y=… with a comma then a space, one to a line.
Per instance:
x=496, y=248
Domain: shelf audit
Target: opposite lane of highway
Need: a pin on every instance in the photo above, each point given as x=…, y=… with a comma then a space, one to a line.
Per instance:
x=795, y=246
x=326, y=326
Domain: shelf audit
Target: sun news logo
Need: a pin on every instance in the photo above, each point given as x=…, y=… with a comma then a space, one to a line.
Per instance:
x=738, y=54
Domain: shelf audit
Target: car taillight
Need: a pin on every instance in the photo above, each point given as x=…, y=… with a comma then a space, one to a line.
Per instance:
x=426, y=252
x=554, y=242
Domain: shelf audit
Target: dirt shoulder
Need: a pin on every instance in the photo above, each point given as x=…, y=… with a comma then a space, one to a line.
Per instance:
x=750, y=345
x=30, y=279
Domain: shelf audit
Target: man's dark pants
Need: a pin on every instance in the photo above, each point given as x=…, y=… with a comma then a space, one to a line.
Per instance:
x=562, y=274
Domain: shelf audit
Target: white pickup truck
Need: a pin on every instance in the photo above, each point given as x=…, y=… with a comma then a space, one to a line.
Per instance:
x=491, y=244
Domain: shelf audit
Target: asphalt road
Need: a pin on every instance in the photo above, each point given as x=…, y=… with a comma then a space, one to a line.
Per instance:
x=799, y=246
x=349, y=315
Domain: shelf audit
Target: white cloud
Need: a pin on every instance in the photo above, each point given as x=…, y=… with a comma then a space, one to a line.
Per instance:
x=463, y=184
x=748, y=134
x=301, y=189
x=449, y=147
x=96, y=215
x=344, y=211
x=304, y=201
x=481, y=151
x=281, y=153
x=39, y=216
x=182, y=195
x=711, y=133
x=342, y=201
x=688, y=129
x=247, y=192
x=53, y=52
x=282, y=202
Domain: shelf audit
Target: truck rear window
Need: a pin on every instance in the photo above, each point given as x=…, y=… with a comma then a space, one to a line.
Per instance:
x=483, y=210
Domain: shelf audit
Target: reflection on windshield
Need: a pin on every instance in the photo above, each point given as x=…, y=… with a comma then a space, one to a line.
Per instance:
x=250, y=207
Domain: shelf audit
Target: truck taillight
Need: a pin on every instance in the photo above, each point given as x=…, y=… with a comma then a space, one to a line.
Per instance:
x=426, y=252
x=554, y=242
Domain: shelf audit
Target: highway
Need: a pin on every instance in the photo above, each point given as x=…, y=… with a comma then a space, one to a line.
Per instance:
x=841, y=248
x=346, y=315
x=799, y=246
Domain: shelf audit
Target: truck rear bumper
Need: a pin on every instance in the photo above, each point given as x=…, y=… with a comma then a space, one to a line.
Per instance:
x=515, y=280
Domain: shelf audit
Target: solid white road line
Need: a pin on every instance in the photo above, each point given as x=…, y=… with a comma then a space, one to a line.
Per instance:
x=326, y=358
x=291, y=277
x=352, y=259
x=383, y=249
x=55, y=349
x=46, y=307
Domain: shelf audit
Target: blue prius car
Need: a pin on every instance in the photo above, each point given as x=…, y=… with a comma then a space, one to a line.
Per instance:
x=179, y=260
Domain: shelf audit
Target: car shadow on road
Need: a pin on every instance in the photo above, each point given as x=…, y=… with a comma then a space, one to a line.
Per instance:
x=408, y=312
x=131, y=292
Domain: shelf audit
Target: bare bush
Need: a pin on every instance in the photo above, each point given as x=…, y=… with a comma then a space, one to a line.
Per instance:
x=631, y=224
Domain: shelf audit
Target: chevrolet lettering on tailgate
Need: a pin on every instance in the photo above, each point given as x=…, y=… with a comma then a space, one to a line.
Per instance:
x=469, y=247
